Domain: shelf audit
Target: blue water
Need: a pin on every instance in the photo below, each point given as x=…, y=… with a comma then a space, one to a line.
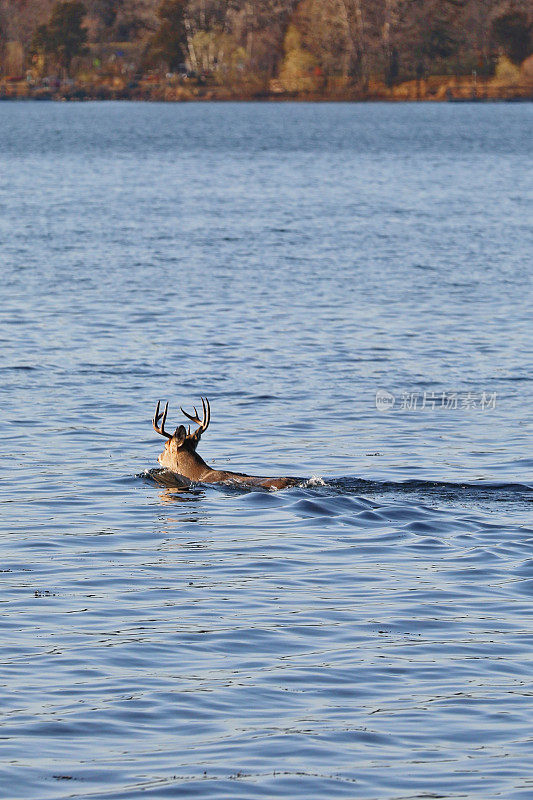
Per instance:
x=366, y=634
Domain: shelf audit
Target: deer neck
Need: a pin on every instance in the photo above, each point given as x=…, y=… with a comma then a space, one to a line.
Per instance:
x=192, y=466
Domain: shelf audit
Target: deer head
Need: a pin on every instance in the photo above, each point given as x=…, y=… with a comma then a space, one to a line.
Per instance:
x=179, y=454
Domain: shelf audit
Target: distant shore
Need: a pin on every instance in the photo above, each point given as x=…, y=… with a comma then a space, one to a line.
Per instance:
x=433, y=89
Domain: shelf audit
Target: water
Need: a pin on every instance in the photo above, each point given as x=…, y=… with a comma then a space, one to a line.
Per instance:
x=364, y=635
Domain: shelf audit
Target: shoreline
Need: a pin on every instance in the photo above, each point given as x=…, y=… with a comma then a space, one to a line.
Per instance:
x=438, y=89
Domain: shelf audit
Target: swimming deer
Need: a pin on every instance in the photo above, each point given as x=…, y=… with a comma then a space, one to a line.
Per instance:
x=180, y=453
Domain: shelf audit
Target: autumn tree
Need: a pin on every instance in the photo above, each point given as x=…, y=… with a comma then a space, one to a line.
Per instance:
x=64, y=37
x=169, y=43
x=298, y=69
x=512, y=32
x=208, y=34
x=105, y=12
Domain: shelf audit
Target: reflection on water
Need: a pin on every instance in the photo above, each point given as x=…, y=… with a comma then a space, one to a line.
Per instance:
x=364, y=634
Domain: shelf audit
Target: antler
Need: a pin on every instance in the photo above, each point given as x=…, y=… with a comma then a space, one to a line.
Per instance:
x=203, y=423
x=157, y=417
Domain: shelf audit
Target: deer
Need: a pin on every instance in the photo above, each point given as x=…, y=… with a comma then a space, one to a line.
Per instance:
x=180, y=454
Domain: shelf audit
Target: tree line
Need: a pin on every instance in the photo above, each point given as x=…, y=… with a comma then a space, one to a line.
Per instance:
x=301, y=42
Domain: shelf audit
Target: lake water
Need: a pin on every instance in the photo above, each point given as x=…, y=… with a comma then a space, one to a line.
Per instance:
x=366, y=634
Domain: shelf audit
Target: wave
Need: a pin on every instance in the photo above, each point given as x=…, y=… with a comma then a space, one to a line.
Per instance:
x=444, y=490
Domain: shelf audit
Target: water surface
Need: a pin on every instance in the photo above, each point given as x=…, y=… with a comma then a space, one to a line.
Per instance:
x=366, y=634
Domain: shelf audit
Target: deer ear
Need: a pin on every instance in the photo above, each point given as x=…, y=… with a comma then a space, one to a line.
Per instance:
x=179, y=434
